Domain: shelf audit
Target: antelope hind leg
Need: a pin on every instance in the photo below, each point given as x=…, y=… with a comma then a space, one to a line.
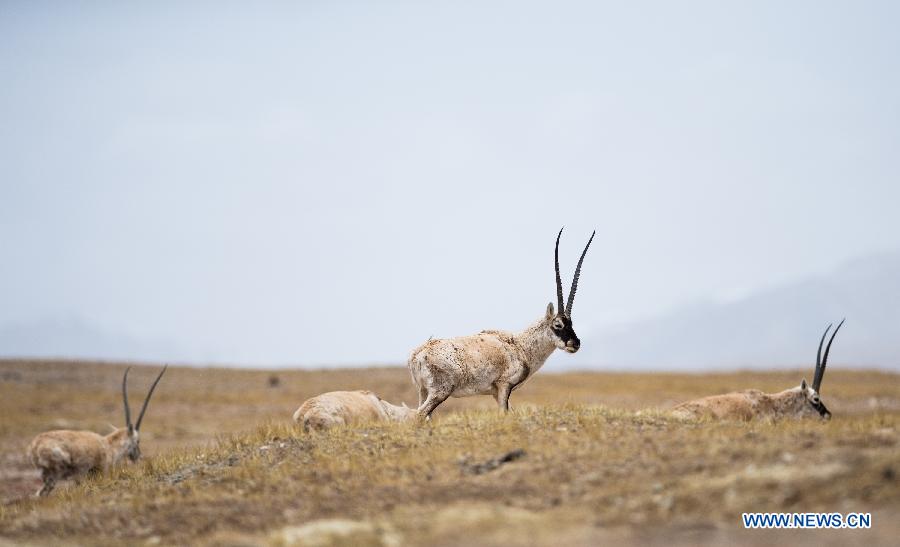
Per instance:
x=432, y=402
x=503, y=392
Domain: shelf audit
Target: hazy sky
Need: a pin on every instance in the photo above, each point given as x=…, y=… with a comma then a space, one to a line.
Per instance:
x=317, y=183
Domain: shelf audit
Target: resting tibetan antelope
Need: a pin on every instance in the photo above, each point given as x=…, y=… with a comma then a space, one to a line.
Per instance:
x=802, y=401
x=492, y=361
x=64, y=454
x=346, y=407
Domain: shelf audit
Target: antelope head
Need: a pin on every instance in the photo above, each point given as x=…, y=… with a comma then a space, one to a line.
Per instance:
x=560, y=321
x=403, y=413
x=811, y=401
x=129, y=438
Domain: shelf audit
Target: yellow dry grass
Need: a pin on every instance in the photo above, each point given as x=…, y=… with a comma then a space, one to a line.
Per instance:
x=602, y=461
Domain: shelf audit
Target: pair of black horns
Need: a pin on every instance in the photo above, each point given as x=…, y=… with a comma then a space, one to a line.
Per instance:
x=821, y=362
x=137, y=426
x=559, y=290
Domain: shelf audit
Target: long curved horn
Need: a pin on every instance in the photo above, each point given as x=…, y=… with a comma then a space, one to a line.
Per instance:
x=147, y=400
x=125, y=398
x=559, y=300
x=821, y=372
x=577, y=274
x=817, y=374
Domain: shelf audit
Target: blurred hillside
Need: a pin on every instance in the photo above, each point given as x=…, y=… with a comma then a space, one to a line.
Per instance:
x=777, y=327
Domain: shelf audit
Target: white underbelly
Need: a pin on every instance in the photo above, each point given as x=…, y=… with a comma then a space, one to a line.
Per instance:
x=486, y=388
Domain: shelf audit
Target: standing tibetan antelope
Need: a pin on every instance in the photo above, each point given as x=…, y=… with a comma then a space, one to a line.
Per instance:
x=64, y=454
x=494, y=362
x=802, y=401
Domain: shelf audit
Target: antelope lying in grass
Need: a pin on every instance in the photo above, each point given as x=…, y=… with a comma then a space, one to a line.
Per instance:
x=492, y=361
x=345, y=407
x=64, y=454
x=802, y=401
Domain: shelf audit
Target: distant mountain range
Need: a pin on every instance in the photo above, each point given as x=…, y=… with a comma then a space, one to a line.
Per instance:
x=774, y=328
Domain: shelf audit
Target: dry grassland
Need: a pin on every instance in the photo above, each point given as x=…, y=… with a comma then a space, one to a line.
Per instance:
x=584, y=459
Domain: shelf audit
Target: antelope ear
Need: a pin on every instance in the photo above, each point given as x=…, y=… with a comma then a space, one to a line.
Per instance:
x=550, y=312
x=803, y=386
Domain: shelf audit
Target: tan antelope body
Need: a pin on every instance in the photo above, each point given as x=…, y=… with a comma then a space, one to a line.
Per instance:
x=493, y=362
x=752, y=404
x=802, y=401
x=64, y=454
x=337, y=408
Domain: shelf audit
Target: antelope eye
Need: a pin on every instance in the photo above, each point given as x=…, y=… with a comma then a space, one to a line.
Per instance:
x=557, y=325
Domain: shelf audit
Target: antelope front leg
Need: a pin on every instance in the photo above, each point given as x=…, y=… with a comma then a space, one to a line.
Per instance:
x=49, y=483
x=503, y=391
